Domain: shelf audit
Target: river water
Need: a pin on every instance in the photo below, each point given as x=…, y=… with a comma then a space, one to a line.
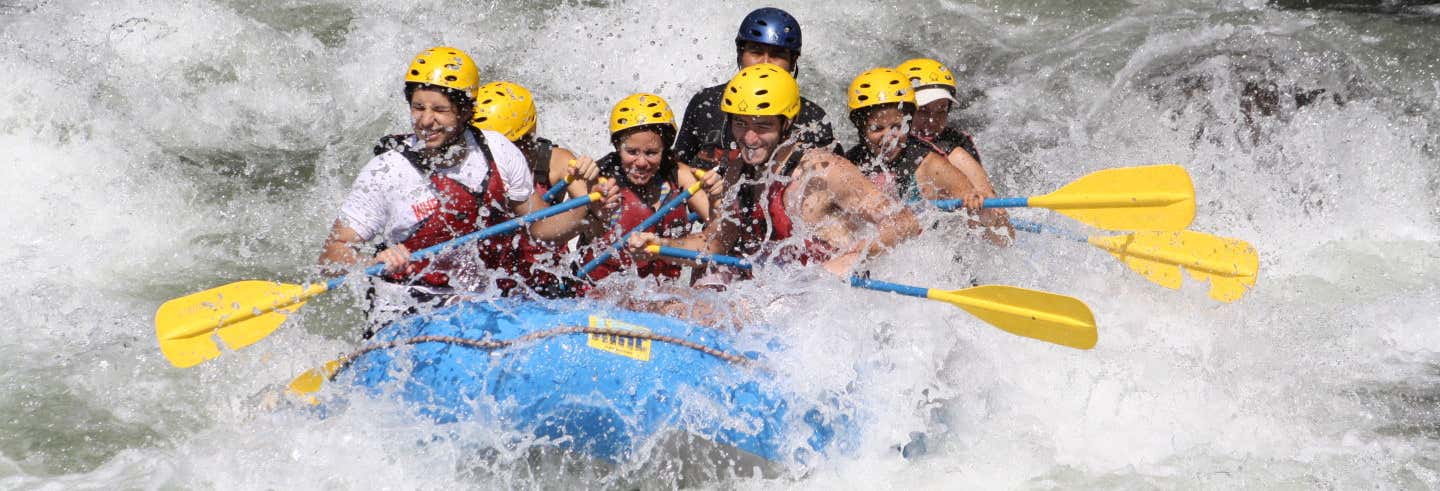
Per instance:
x=155, y=148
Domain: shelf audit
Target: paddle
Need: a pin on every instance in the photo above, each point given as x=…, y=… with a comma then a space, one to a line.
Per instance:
x=1230, y=265
x=1049, y=317
x=1156, y=197
x=1045, y=316
x=245, y=312
x=556, y=190
x=645, y=225
x=310, y=381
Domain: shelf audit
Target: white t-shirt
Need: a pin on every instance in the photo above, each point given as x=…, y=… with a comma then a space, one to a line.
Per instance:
x=391, y=196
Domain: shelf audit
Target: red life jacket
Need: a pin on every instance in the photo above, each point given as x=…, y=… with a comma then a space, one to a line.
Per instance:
x=633, y=210
x=538, y=258
x=460, y=211
x=767, y=224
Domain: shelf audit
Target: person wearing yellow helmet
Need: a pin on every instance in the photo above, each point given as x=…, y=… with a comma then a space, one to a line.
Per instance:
x=508, y=108
x=766, y=35
x=934, y=97
x=882, y=104
x=446, y=180
x=642, y=129
x=786, y=202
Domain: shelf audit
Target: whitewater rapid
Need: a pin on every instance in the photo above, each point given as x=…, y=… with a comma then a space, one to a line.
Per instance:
x=152, y=149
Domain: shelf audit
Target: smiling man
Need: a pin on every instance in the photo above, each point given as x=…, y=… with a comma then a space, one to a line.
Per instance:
x=767, y=35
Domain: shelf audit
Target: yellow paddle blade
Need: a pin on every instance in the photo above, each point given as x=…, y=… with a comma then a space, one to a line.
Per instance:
x=1230, y=265
x=1156, y=197
x=240, y=313
x=309, y=382
x=1034, y=314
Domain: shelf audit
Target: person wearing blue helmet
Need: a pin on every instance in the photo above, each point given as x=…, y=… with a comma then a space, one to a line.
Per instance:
x=767, y=35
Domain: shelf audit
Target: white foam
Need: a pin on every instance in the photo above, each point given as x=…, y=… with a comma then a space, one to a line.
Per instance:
x=152, y=149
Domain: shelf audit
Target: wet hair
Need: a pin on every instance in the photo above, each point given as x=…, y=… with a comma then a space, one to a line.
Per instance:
x=463, y=103
x=669, y=166
x=666, y=132
x=858, y=117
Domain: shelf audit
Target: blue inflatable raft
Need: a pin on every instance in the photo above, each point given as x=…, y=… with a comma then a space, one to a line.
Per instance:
x=593, y=379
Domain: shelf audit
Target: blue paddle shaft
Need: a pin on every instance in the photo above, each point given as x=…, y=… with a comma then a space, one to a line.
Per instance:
x=645, y=225
x=1036, y=228
x=855, y=281
x=556, y=190
x=955, y=204
x=701, y=257
x=877, y=285
x=505, y=227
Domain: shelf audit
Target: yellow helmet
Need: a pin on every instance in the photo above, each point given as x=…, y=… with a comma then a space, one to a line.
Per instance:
x=762, y=90
x=506, y=108
x=879, y=86
x=641, y=109
x=445, y=67
x=925, y=71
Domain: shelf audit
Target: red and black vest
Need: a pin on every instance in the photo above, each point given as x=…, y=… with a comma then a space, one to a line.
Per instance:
x=634, y=210
x=460, y=211
x=537, y=257
x=764, y=222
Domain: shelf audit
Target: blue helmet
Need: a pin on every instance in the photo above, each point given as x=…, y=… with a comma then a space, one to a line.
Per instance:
x=770, y=26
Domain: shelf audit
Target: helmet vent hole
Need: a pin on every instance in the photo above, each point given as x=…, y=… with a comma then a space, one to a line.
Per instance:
x=763, y=105
x=762, y=92
x=624, y=109
x=657, y=115
x=420, y=61
x=755, y=33
x=451, y=78
x=732, y=90
x=728, y=102
x=762, y=22
x=415, y=72
x=622, y=121
x=863, y=98
x=653, y=104
x=764, y=75
x=481, y=119
x=865, y=85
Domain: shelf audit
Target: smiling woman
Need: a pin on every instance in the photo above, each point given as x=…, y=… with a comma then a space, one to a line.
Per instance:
x=642, y=130
x=444, y=181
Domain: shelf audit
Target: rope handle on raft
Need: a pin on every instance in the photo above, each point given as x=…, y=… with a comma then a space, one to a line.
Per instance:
x=493, y=345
